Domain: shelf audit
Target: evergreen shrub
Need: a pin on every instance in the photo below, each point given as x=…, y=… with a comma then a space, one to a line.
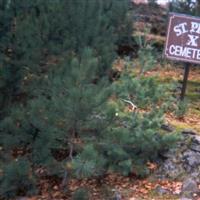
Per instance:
x=60, y=112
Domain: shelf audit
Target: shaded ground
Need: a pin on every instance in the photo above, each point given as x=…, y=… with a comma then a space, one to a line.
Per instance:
x=129, y=188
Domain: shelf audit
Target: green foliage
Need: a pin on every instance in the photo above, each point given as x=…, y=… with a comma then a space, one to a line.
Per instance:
x=182, y=108
x=135, y=143
x=88, y=163
x=59, y=107
x=184, y=6
x=33, y=32
x=17, y=179
x=133, y=138
x=146, y=53
x=145, y=92
x=65, y=108
x=69, y=106
x=152, y=3
x=52, y=82
x=21, y=50
x=81, y=194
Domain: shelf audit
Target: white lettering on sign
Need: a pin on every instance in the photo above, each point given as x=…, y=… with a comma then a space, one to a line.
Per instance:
x=195, y=27
x=183, y=38
x=180, y=29
x=192, y=40
x=186, y=52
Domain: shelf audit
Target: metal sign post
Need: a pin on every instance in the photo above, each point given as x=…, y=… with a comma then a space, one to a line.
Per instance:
x=185, y=78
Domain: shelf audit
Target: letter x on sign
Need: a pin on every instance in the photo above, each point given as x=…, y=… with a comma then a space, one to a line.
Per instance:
x=183, y=38
x=192, y=40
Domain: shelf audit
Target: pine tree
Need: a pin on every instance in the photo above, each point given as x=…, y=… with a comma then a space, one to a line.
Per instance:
x=55, y=55
x=21, y=49
x=33, y=32
x=73, y=120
